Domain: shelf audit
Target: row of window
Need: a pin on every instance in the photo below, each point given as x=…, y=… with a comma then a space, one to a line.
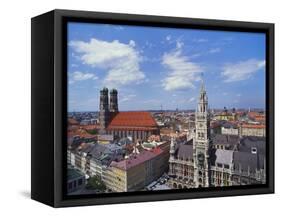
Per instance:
x=75, y=184
x=226, y=166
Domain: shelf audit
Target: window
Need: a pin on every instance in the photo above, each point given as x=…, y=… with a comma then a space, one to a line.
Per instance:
x=80, y=182
x=219, y=165
x=226, y=166
x=254, y=150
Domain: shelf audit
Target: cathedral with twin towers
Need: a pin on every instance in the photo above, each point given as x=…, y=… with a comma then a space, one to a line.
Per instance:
x=138, y=125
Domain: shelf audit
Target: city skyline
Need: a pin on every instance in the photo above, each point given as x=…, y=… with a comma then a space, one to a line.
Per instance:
x=161, y=67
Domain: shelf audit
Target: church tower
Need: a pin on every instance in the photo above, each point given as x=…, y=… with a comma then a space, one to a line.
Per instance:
x=113, y=107
x=104, y=114
x=172, y=148
x=172, y=156
x=201, y=141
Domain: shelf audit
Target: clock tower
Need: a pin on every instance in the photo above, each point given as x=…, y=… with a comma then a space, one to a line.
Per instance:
x=201, y=142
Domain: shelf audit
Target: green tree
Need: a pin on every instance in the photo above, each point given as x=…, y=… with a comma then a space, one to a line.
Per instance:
x=93, y=131
x=95, y=183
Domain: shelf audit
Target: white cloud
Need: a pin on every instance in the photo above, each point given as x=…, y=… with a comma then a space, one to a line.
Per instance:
x=120, y=60
x=127, y=98
x=132, y=43
x=179, y=44
x=195, y=55
x=74, y=65
x=168, y=37
x=81, y=76
x=152, y=101
x=214, y=50
x=119, y=27
x=182, y=72
x=148, y=44
x=201, y=40
x=241, y=70
x=192, y=99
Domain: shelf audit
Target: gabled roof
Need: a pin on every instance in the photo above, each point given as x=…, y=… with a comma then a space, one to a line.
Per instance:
x=184, y=150
x=224, y=156
x=132, y=119
x=245, y=161
x=225, y=139
x=249, y=142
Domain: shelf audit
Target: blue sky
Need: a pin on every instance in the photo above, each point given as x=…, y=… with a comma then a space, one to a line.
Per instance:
x=152, y=66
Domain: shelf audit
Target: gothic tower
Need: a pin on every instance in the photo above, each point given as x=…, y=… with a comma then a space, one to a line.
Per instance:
x=201, y=141
x=172, y=156
x=172, y=148
x=104, y=114
x=113, y=106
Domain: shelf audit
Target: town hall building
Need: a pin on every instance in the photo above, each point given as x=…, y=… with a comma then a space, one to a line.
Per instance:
x=198, y=162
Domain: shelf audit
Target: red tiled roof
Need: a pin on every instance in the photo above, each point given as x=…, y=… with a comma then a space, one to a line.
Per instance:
x=81, y=133
x=131, y=128
x=132, y=119
x=72, y=121
x=260, y=126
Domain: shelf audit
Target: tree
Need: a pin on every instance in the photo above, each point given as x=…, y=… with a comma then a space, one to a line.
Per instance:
x=93, y=131
x=95, y=183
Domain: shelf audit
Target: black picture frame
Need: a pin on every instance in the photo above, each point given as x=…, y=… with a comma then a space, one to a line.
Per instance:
x=49, y=111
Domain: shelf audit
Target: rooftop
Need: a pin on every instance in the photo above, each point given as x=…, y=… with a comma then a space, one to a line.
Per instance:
x=133, y=119
x=184, y=150
x=224, y=156
x=72, y=121
x=254, y=126
x=248, y=142
x=73, y=174
x=230, y=140
x=248, y=161
x=136, y=160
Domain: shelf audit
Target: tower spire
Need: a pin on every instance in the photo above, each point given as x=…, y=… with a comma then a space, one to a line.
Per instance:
x=203, y=99
x=202, y=83
x=201, y=140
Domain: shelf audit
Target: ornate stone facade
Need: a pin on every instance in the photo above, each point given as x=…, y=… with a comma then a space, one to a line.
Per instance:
x=201, y=144
x=203, y=160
